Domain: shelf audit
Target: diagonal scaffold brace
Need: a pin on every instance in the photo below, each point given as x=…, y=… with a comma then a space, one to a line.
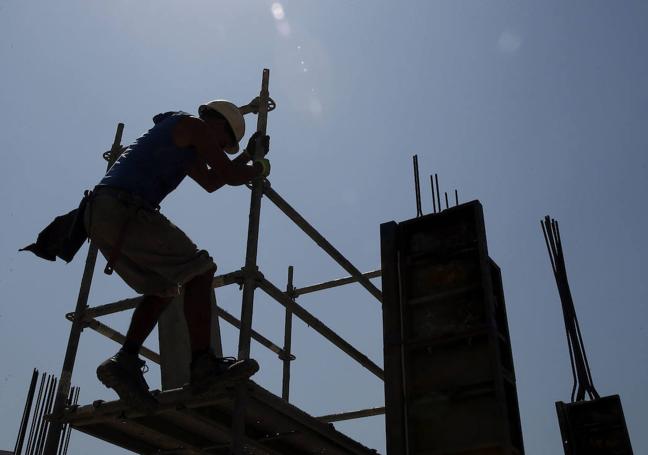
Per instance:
x=251, y=273
x=78, y=323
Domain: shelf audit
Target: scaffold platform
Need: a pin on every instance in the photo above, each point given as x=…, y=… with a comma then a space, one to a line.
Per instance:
x=186, y=423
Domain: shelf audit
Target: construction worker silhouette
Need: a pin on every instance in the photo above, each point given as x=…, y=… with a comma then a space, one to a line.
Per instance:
x=151, y=254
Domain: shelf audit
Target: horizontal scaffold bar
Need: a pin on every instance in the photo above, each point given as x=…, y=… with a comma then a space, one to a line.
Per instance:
x=320, y=240
x=114, y=335
x=129, y=304
x=334, y=283
x=352, y=415
x=318, y=326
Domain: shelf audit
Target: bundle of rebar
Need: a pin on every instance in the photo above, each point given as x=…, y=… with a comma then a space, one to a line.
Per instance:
x=582, y=376
x=37, y=414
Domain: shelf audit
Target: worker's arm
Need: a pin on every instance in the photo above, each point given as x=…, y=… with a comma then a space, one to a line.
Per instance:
x=213, y=168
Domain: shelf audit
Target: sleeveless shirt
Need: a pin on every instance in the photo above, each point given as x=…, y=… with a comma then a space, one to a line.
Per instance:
x=153, y=166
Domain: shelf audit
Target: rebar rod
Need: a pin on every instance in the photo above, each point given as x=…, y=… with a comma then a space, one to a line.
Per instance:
x=436, y=181
x=66, y=425
x=581, y=372
x=69, y=429
x=352, y=415
x=44, y=424
x=249, y=283
x=285, y=381
x=26, y=413
x=417, y=186
x=334, y=283
x=54, y=432
x=32, y=427
x=36, y=420
x=319, y=327
x=433, y=195
x=309, y=230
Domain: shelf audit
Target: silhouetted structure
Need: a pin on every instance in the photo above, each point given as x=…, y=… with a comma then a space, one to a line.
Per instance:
x=595, y=427
x=449, y=379
x=230, y=418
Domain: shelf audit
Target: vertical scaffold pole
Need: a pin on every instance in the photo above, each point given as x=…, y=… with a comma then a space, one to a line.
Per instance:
x=287, y=356
x=250, y=273
x=54, y=433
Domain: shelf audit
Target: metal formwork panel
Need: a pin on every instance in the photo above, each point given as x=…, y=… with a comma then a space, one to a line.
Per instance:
x=595, y=427
x=449, y=379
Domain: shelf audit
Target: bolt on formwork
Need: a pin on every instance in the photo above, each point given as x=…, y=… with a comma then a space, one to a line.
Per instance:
x=241, y=434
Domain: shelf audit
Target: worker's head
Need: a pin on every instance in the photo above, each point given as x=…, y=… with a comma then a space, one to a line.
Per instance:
x=226, y=118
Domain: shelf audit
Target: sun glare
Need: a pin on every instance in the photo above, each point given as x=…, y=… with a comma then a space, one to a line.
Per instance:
x=278, y=11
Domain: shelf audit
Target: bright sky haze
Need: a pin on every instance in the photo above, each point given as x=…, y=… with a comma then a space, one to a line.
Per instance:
x=533, y=108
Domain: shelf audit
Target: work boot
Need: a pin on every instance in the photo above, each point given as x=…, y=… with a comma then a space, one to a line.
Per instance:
x=123, y=373
x=208, y=370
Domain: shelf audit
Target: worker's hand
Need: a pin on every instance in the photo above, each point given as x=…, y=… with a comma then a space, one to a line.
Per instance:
x=258, y=145
x=265, y=166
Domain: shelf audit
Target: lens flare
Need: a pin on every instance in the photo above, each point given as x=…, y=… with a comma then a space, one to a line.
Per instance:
x=278, y=11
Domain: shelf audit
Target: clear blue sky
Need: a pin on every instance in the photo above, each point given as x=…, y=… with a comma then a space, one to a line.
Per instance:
x=533, y=108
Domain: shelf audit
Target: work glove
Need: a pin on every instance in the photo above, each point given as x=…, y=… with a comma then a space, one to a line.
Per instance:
x=259, y=143
x=265, y=165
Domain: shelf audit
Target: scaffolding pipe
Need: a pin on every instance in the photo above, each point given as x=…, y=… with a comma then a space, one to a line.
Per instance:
x=255, y=335
x=109, y=308
x=114, y=335
x=285, y=382
x=129, y=304
x=54, y=433
x=228, y=278
x=352, y=415
x=319, y=327
x=320, y=241
x=334, y=283
x=249, y=283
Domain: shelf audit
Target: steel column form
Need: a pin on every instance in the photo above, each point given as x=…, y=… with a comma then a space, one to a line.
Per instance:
x=249, y=283
x=285, y=382
x=321, y=241
x=319, y=326
x=334, y=283
x=63, y=390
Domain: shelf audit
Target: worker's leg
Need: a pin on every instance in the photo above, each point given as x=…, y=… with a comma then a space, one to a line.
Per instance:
x=143, y=321
x=205, y=367
x=197, y=310
x=123, y=371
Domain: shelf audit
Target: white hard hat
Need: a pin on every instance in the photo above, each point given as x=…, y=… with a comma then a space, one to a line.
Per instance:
x=233, y=116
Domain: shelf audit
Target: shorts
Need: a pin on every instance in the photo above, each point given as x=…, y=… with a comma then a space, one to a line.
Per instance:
x=156, y=257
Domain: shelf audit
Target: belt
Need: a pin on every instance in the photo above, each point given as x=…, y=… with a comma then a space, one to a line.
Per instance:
x=125, y=196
